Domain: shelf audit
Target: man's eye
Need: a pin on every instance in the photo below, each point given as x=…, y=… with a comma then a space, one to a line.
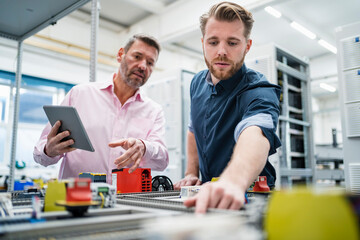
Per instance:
x=213, y=43
x=232, y=43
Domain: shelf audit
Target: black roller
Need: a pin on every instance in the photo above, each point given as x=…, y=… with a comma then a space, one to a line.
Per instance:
x=161, y=183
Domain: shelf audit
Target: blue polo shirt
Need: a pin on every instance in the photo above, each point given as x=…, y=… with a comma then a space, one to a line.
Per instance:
x=220, y=113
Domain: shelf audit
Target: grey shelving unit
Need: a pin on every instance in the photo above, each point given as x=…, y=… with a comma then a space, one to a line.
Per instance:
x=329, y=163
x=295, y=159
x=20, y=19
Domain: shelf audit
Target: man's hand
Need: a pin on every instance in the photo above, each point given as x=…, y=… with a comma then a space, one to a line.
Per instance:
x=222, y=194
x=54, y=146
x=135, y=150
x=189, y=180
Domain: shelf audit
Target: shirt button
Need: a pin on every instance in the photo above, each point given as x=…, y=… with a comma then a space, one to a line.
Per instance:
x=204, y=136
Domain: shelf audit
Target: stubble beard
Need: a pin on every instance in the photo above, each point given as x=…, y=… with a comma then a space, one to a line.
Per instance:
x=132, y=82
x=223, y=74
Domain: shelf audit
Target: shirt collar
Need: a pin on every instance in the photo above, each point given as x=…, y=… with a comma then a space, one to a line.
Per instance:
x=139, y=95
x=109, y=85
x=106, y=84
x=208, y=78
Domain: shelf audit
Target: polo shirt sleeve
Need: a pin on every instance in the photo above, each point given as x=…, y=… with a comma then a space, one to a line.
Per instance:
x=261, y=109
x=190, y=125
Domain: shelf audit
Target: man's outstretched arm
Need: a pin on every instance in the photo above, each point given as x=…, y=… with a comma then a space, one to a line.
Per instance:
x=247, y=162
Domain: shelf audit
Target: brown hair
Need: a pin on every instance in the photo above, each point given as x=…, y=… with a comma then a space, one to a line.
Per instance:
x=149, y=40
x=228, y=11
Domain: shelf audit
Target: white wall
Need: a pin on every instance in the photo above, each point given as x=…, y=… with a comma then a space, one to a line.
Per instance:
x=323, y=66
x=47, y=64
x=326, y=117
x=326, y=112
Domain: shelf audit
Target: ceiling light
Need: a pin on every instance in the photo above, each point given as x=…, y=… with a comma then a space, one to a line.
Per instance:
x=273, y=11
x=303, y=30
x=327, y=87
x=328, y=46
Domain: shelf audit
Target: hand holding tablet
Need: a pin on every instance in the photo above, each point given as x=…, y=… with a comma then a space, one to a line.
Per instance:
x=70, y=120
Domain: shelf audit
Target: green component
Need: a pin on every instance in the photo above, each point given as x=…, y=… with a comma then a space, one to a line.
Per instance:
x=103, y=189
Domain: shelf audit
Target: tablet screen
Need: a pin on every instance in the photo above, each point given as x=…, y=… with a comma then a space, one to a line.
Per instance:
x=70, y=120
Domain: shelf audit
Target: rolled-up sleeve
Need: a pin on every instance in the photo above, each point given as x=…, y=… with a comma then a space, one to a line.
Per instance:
x=263, y=113
x=190, y=125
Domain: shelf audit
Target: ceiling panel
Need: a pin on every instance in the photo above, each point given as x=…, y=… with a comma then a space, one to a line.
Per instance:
x=119, y=11
x=21, y=18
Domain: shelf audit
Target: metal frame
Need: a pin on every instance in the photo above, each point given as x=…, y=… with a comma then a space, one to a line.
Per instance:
x=95, y=12
x=286, y=171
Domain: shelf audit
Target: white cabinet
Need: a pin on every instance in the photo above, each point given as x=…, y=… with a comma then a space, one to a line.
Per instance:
x=348, y=44
x=172, y=92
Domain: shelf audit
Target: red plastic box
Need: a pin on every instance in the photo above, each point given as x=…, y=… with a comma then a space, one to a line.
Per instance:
x=137, y=181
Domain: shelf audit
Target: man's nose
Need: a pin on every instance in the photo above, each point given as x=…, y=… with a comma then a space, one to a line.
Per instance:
x=222, y=51
x=142, y=65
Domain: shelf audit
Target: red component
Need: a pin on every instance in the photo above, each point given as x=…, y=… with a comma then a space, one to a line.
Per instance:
x=78, y=190
x=137, y=181
x=261, y=185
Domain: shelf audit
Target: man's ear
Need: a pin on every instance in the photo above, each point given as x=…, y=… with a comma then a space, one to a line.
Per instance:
x=248, y=45
x=202, y=43
x=120, y=54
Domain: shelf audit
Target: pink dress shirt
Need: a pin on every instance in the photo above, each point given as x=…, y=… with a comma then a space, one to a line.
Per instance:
x=105, y=121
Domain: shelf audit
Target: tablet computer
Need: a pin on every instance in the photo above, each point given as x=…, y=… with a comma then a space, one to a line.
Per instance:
x=70, y=120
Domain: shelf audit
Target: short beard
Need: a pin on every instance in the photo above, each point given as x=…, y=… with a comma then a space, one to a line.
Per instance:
x=131, y=82
x=223, y=75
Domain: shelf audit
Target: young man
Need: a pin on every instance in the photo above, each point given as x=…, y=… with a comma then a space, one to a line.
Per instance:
x=234, y=114
x=125, y=128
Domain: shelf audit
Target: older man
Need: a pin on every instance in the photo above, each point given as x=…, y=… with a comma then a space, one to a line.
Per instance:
x=125, y=127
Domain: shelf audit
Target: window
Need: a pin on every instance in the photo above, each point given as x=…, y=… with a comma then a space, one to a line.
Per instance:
x=34, y=93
